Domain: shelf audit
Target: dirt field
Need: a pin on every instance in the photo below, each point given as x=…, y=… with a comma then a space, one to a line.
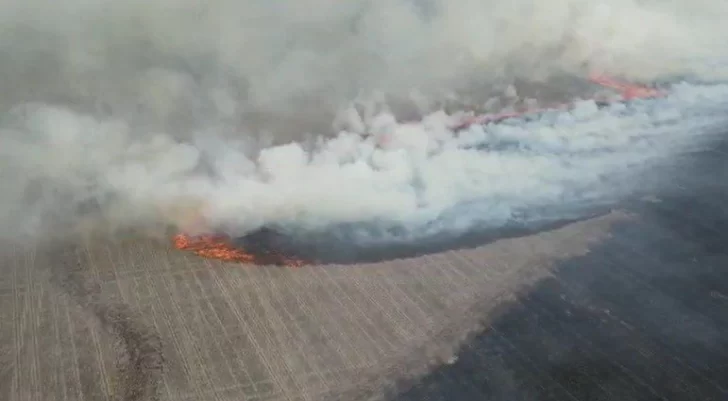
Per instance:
x=133, y=320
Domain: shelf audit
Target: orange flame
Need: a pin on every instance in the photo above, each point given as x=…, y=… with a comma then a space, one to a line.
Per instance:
x=190, y=218
x=627, y=90
x=219, y=247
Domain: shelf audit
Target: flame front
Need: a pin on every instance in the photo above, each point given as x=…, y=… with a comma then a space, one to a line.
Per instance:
x=219, y=247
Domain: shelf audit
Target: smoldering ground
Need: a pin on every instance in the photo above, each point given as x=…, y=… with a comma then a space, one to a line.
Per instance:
x=244, y=114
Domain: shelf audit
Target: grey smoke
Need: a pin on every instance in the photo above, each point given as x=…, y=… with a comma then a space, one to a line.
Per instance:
x=150, y=113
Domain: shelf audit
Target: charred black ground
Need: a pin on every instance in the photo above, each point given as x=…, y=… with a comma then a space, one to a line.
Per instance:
x=641, y=317
x=341, y=245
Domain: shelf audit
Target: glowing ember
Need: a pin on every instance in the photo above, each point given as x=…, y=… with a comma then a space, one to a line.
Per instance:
x=220, y=247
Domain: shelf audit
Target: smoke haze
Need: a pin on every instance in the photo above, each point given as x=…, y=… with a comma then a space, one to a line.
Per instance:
x=243, y=114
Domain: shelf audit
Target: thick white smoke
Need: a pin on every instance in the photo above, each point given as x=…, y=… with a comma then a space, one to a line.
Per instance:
x=157, y=112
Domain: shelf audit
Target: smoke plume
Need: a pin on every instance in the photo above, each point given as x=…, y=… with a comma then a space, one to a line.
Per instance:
x=242, y=114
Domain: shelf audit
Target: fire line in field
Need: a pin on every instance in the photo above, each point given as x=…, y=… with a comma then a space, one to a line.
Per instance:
x=221, y=248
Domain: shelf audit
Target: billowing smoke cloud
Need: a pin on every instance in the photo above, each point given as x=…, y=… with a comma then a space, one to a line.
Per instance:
x=149, y=113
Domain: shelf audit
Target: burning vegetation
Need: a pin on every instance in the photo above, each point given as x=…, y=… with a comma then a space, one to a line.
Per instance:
x=223, y=248
x=262, y=247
